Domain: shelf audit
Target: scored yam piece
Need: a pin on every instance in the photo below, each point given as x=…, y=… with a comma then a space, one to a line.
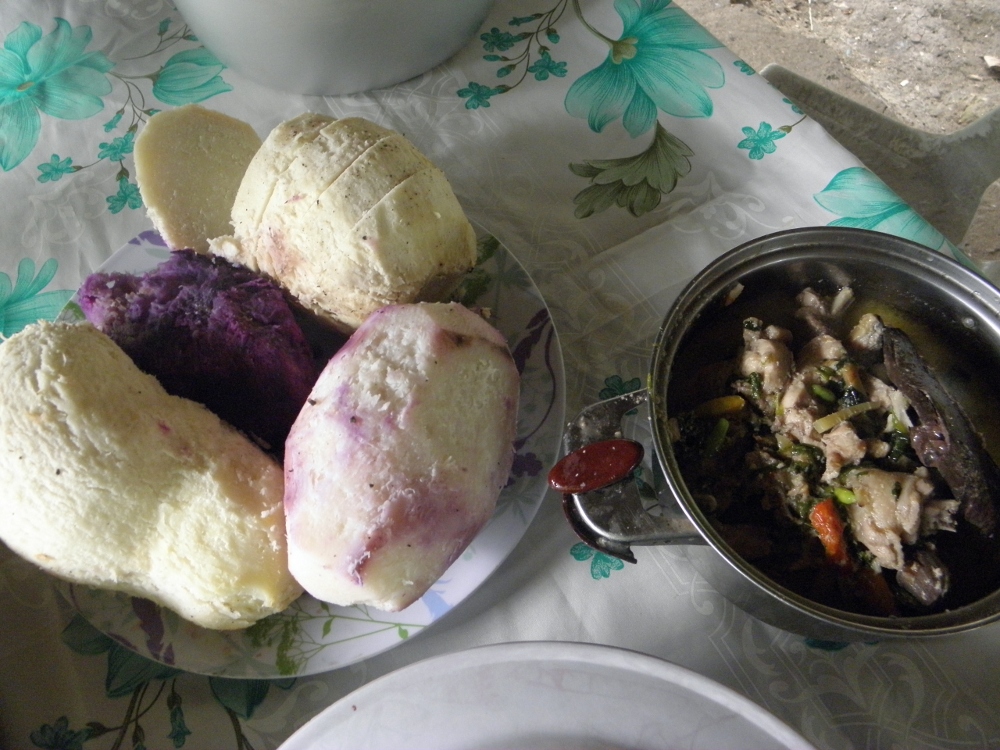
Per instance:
x=348, y=217
x=317, y=164
x=255, y=190
x=397, y=459
x=109, y=481
x=189, y=163
x=298, y=160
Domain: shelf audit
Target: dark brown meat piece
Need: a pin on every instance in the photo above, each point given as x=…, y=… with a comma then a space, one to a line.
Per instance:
x=925, y=576
x=945, y=438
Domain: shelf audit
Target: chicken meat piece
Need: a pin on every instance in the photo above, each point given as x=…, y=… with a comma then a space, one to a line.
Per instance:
x=799, y=409
x=888, y=512
x=819, y=350
x=766, y=353
x=925, y=577
x=842, y=447
x=889, y=399
x=939, y=515
x=819, y=312
x=866, y=335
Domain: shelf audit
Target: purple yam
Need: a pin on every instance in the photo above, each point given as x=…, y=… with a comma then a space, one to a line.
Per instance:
x=213, y=332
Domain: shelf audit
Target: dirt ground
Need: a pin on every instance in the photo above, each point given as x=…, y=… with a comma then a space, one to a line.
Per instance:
x=920, y=62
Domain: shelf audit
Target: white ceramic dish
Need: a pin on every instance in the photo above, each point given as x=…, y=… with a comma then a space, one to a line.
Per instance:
x=312, y=636
x=333, y=46
x=542, y=695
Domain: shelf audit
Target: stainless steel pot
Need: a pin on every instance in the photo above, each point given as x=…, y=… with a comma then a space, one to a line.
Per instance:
x=953, y=301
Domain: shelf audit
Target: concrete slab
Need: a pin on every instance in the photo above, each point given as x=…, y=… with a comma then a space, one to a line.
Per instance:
x=758, y=40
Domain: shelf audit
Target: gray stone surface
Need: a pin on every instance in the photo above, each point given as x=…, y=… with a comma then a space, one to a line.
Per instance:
x=918, y=62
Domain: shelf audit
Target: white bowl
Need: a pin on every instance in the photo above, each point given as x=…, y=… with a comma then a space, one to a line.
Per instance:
x=331, y=47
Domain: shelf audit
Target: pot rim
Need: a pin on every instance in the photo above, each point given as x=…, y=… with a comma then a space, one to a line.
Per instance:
x=826, y=243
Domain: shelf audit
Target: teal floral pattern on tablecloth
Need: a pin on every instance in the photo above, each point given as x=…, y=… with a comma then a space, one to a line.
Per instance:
x=795, y=107
x=635, y=183
x=127, y=196
x=616, y=386
x=189, y=77
x=601, y=565
x=760, y=142
x=152, y=689
x=56, y=75
x=476, y=95
x=24, y=302
x=826, y=645
x=658, y=63
x=55, y=169
x=535, y=57
x=546, y=66
x=52, y=74
x=118, y=148
x=863, y=201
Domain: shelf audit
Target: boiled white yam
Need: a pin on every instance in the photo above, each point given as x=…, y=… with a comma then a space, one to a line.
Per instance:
x=111, y=482
x=349, y=217
x=189, y=163
x=397, y=459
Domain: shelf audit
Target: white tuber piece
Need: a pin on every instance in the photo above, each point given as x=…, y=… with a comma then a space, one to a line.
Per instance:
x=349, y=217
x=189, y=163
x=111, y=482
x=397, y=459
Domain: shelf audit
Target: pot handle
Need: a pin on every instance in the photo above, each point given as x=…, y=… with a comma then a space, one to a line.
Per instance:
x=613, y=518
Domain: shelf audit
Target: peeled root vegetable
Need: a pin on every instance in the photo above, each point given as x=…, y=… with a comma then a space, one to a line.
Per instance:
x=111, y=482
x=348, y=217
x=213, y=332
x=189, y=163
x=397, y=459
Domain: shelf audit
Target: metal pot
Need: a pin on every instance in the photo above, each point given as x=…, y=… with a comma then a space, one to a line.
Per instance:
x=953, y=301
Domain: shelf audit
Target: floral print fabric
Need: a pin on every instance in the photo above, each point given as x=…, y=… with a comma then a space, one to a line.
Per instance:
x=52, y=74
x=60, y=75
x=658, y=64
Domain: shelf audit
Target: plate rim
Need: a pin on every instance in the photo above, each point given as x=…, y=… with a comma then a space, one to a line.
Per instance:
x=588, y=654
x=147, y=240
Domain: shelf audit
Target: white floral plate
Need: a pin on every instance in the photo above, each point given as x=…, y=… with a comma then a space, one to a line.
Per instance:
x=544, y=695
x=312, y=636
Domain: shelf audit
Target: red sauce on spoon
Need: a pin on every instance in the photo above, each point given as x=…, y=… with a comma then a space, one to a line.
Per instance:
x=595, y=466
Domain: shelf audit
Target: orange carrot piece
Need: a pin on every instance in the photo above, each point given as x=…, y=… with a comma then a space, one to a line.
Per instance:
x=830, y=529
